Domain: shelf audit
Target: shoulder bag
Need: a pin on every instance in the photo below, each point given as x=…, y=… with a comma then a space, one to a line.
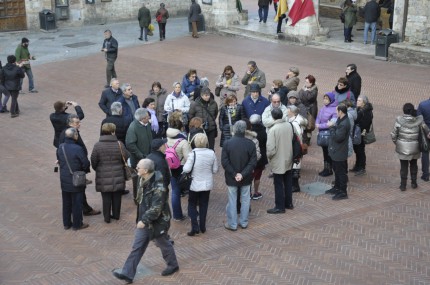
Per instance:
x=129, y=172
x=369, y=137
x=423, y=141
x=186, y=178
x=323, y=138
x=79, y=178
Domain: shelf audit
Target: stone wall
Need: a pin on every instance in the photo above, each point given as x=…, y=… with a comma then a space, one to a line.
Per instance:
x=417, y=31
x=407, y=53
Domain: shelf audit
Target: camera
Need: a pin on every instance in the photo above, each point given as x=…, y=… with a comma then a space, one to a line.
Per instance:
x=56, y=169
x=206, y=125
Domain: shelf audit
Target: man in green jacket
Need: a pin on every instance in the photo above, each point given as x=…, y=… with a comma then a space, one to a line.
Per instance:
x=144, y=18
x=23, y=56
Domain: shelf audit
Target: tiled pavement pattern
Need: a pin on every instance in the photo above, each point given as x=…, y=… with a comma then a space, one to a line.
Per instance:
x=378, y=236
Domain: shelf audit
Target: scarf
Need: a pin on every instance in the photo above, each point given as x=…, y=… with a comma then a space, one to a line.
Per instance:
x=154, y=121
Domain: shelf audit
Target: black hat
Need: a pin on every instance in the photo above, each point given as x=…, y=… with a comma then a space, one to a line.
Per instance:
x=254, y=87
x=157, y=143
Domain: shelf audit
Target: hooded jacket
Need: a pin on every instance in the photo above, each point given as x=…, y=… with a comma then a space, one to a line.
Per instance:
x=327, y=113
x=10, y=76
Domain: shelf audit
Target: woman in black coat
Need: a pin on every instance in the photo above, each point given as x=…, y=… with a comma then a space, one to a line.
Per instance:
x=230, y=113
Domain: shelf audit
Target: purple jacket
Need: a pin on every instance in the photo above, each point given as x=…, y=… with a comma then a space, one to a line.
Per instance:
x=327, y=112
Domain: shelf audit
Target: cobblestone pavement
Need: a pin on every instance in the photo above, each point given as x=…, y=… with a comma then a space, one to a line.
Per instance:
x=378, y=236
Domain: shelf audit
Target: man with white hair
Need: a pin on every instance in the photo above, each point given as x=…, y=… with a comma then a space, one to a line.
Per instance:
x=275, y=102
x=111, y=94
x=238, y=159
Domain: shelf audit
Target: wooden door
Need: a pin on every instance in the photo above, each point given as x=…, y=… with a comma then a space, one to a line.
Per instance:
x=12, y=15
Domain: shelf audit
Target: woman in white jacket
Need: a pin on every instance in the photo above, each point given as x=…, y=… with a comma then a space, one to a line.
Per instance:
x=205, y=165
x=178, y=101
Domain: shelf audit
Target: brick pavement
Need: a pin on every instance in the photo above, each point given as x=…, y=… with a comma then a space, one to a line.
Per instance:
x=379, y=236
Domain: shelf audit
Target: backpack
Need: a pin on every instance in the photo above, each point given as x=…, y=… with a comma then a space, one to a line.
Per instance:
x=172, y=157
x=297, y=147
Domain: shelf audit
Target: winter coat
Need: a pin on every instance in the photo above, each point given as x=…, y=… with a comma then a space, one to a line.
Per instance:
x=160, y=99
x=354, y=82
x=257, y=77
x=10, y=76
x=173, y=102
x=78, y=161
x=121, y=126
x=326, y=113
x=144, y=17
x=138, y=141
x=164, y=15
x=264, y=2
x=350, y=16
x=292, y=83
x=232, y=88
x=195, y=11
x=161, y=165
x=364, y=117
x=339, y=139
x=205, y=166
x=261, y=132
x=302, y=108
x=188, y=86
x=343, y=94
x=283, y=93
x=405, y=136
x=309, y=98
x=424, y=110
x=372, y=11
x=256, y=107
x=107, y=159
x=62, y=139
x=127, y=112
x=111, y=44
x=238, y=156
x=299, y=123
x=59, y=122
x=154, y=209
x=107, y=98
x=183, y=147
x=267, y=118
x=236, y=114
x=208, y=111
x=253, y=137
x=280, y=146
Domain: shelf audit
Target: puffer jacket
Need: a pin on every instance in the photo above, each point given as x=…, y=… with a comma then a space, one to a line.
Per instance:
x=236, y=114
x=327, y=113
x=208, y=111
x=205, y=166
x=189, y=86
x=160, y=99
x=107, y=161
x=405, y=136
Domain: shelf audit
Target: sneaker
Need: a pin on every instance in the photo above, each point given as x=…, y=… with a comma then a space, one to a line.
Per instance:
x=122, y=277
x=257, y=196
x=227, y=227
x=360, y=172
x=33, y=91
x=92, y=213
x=425, y=178
x=169, y=271
x=21, y=92
x=84, y=226
x=332, y=191
x=340, y=196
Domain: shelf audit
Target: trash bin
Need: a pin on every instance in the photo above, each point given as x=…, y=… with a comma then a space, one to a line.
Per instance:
x=200, y=24
x=47, y=20
x=383, y=40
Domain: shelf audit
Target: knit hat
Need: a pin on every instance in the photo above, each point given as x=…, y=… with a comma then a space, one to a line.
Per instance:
x=157, y=143
x=293, y=93
x=254, y=87
x=295, y=70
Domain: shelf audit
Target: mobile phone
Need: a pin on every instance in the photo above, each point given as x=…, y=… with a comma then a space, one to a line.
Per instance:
x=56, y=169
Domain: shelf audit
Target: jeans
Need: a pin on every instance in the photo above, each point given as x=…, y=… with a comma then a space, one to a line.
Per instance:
x=144, y=31
x=176, y=199
x=86, y=208
x=366, y=30
x=30, y=79
x=72, y=207
x=162, y=29
x=340, y=175
x=6, y=93
x=140, y=243
x=263, y=11
x=110, y=70
x=347, y=33
x=360, y=155
x=231, y=208
x=198, y=199
x=425, y=164
x=283, y=190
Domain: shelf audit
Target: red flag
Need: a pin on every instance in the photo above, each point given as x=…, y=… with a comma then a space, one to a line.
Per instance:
x=300, y=10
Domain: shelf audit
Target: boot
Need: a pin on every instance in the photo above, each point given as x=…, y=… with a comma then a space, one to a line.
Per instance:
x=355, y=168
x=414, y=174
x=327, y=170
x=402, y=184
x=323, y=171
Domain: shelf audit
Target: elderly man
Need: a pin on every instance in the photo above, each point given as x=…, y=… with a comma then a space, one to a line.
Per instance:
x=253, y=76
x=110, y=95
x=118, y=120
x=59, y=118
x=158, y=150
x=280, y=155
x=238, y=158
x=254, y=103
x=153, y=223
x=110, y=48
x=267, y=118
x=76, y=160
x=129, y=103
x=138, y=140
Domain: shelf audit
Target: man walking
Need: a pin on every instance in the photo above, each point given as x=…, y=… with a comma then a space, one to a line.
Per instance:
x=153, y=223
x=110, y=48
x=263, y=9
x=424, y=110
x=10, y=77
x=372, y=11
x=144, y=18
x=193, y=17
x=238, y=158
x=23, y=57
x=280, y=156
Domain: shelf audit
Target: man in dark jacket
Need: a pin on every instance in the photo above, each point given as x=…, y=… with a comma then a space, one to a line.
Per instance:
x=354, y=80
x=424, y=110
x=74, y=122
x=193, y=17
x=110, y=95
x=372, y=11
x=3, y=91
x=10, y=77
x=254, y=103
x=263, y=9
x=59, y=118
x=158, y=149
x=144, y=18
x=153, y=224
x=338, y=151
x=238, y=158
x=72, y=196
x=117, y=120
x=110, y=48
x=129, y=103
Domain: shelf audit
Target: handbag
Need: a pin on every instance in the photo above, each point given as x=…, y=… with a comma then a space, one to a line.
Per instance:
x=218, y=91
x=323, y=138
x=159, y=18
x=79, y=178
x=369, y=137
x=423, y=141
x=356, y=135
x=186, y=178
x=129, y=172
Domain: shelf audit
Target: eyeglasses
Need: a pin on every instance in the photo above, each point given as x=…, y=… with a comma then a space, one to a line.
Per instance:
x=128, y=89
x=228, y=74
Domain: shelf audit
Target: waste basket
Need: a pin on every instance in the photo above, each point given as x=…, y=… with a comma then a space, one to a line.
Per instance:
x=47, y=20
x=200, y=24
x=383, y=40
